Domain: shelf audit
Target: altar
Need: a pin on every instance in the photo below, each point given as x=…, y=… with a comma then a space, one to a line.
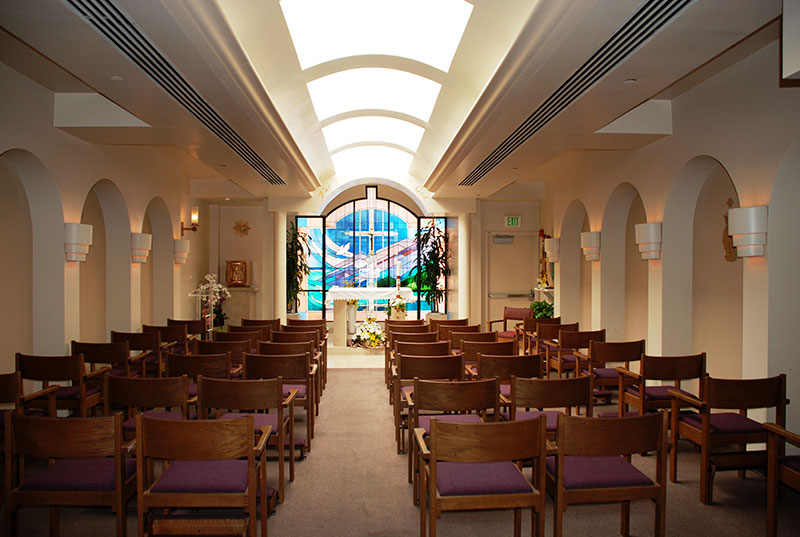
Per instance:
x=340, y=295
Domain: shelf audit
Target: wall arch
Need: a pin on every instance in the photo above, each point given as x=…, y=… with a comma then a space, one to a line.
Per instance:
x=390, y=190
x=784, y=293
x=571, y=291
x=46, y=293
x=160, y=267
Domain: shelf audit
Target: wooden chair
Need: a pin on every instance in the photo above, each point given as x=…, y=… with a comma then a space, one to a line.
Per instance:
x=529, y=332
x=731, y=431
x=593, y=465
x=488, y=450
x=435, y=324
x=409, y=367
x=561, y=355
x=226, y=399
x=406, y=328
x=174, y=338
x=503, y=367
x=421, y=337
x=601, y=353
x=148, y=345
x=216, y=366
x=658, y=368
x=457, y=338
x=116, y=355
x=471, y=349
x=274, y=324
x=12, y=397
x=547, y=334
x=88, y=466
x=547, y=395
x=236, y=349
x=78, y=397
x=272, y=348
x=195, y=328
x=297, y=373
x=321, y=326
x=250, y=337
x=511, y=314
x=210, y=464
x=471, y=401
x=446, y=333
x=263, y=331
x=319, y=356
x=780, y=470
x=165, y=398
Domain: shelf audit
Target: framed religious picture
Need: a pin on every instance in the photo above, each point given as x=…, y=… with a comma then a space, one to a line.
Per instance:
x=237, y=273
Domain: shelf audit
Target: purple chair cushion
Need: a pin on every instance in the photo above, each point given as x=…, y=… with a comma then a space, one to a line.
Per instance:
x=203, y=477
x=510, y=334
x=425, y=421
x=790, y=461
x=301, y=390
x=121, y=373
x=655, y=393
x=476, y=478
x=73, y=392
x=94, y=474
x=598, y=472
x=505, y=389
x=605, y=373
x=259, y=420
x=192, y=389
x=551, y=417
x=130, y=424
x=724, y=423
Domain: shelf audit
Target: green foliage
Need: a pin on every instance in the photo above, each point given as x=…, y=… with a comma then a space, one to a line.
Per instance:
x=434, y=262
x=296, y=264
x=542, y=309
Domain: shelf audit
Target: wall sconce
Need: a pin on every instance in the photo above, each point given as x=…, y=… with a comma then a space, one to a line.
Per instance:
x=195, y=221
x=553, y=249
x=141, y=244
x=748, y=227
x=590, y=243
x=648, y=237
x=181, y=248
x=77, y=239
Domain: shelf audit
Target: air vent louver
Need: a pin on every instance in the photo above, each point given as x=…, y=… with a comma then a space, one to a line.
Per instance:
x=119, y=30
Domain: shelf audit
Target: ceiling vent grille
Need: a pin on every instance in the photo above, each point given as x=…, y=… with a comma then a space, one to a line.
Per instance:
x=652, y=16
x=121, y=31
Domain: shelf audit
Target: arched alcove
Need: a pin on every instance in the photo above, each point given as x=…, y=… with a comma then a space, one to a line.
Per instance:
x=157, y=272
x=784, y=293
x=623, y=309
x=106, y=275
x=575, y=279
x=390, y=190
x=34, y=262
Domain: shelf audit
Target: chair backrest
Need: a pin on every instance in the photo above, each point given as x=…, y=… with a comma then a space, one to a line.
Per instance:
x=277, y=349
x=529, y=324
x=57, y=438
x=438, y=348
x=567, y=393
x=578, y=435
x=392, y=329
x=274, y=324
x=457, y=338
x=404, y=322
x=422, y=337
x=287, y=366
x=138, y=341
x=144, y=393
x=263, y=331
x=251, y=337
x=195, y=365
x=235, y=348
x=579, y=339
x=175, y=332
x=488, y=442
x=516, y=314
x=116, y=353
x=9, y=388
x=503, y=367
x=447, y=367
x=194, y=439
x=434, y=324
x=677, y=368
x=471, y=349
x=295, y=337
x=321, y=323
x=550, y=330
x=239, y=395
x=193, y=326
x=742, y=394
x=446, y=333
x=460, y=396
x=305, y=328
x=50, y=368
x=603, y=352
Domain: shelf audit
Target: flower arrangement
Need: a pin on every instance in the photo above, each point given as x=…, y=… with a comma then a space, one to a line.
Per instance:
x=369, y=334
x=214, y=294
x=352, y=283
x=398, y=303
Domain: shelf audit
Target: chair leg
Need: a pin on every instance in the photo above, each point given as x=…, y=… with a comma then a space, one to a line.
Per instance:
x=705, y=475
x=55, y=521
x=558, y=516
x=423, y=500
x=661, y=519
x=625, y=523
x=517, y=522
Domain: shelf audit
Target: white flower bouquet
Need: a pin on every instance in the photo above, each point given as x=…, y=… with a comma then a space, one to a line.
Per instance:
x=369, y=334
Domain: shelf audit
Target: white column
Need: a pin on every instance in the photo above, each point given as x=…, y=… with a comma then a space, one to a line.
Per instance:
x=279, y=247
x=463, y=265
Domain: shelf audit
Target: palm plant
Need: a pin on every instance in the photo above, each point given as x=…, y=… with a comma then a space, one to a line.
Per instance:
x=434, y=263
x=296, y=264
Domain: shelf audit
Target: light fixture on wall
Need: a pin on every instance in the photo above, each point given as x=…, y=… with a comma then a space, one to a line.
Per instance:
x=180, y=248
x=195, y=221
x=77, y=239
x=553, y=249
x=748, y=227
x=648, y=237
x=141, y=244
x=590, y=243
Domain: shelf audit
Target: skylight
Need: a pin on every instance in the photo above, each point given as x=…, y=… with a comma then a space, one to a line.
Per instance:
x=373, y=128
x=373, y=88
x=422, y=30
x=372, y=161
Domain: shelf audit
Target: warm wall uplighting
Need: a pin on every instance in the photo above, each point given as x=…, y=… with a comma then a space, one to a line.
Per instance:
x=194, y=221
x=748, y=227
x=590, y=243
x=648, y=237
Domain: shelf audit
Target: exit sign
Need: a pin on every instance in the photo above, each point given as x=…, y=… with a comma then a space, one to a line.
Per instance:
x=513, y=221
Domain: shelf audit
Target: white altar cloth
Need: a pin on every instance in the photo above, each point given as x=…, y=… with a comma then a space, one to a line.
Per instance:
x=369, y=293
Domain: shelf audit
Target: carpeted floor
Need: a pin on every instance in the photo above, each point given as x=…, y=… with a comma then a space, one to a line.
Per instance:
x=354, y=483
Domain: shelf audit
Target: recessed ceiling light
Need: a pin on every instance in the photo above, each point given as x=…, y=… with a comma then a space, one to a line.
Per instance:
x=630, y=81
x=116, y=78
x=227, y=199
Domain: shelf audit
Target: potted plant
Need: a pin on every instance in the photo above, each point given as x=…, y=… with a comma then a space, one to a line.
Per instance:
x=434, y=264
x=542, y=309
x=369, y=334
x=397, y=308
x=296, y=265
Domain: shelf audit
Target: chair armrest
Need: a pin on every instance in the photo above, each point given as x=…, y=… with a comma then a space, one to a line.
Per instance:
x=492, y=322
x=410, y=399
x=129, y=448
x=580, y=355
x=289, y=399
x=549, y=343
x=237, y=369
x=774, y=428
x=98, y=373
x=627, y=373
x=46, y=392
x=313, y=369
x=688, y=399
x=266, y=430
x=504, y=400
x=139, y=357
x=419, y=437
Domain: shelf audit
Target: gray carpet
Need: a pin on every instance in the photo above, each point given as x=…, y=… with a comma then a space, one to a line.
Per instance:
x=354, y=483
